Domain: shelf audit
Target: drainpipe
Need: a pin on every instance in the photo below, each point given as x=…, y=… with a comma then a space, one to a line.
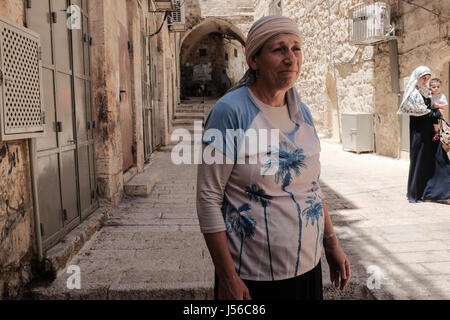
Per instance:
x=395, y=82
x=37, y=219
x=395, y=73
x=334, y=71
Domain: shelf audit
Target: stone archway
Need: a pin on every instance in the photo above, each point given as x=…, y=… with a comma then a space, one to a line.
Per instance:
x=209, y=51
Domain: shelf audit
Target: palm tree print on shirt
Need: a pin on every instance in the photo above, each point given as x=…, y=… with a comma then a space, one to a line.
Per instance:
x=242, y=223
x=313, y=212
x=260, y=195
x=287, y=164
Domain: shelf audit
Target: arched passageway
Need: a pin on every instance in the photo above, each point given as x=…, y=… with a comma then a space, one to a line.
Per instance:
x=212, y=58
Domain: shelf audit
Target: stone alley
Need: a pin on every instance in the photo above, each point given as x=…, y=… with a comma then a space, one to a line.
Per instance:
x=92, y=91
x=152, y=248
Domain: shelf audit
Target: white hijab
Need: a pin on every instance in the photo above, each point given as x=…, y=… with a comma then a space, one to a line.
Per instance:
x=412, y=102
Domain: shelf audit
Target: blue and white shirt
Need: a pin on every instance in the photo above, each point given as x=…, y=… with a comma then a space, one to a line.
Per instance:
x=271, y=210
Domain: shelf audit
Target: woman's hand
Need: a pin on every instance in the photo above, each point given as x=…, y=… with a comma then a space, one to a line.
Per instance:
x=233, y=288
x=338, y=263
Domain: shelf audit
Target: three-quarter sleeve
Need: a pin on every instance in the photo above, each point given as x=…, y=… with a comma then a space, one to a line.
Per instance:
x=211, y=182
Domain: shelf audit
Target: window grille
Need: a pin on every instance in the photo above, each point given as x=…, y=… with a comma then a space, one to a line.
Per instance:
x=21, y=97
x=371, y=24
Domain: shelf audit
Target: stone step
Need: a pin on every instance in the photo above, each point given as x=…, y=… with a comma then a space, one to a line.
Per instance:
x=188, y=115
x=198, y=290
x=142, y=184
x=189, y=128
x=144, y=291
x=185, y=121
x=189, y=110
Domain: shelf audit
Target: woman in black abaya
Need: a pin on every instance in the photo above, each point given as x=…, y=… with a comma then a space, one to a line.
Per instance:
x=429, y=171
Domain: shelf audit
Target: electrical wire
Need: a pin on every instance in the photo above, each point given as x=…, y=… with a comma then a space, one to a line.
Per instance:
x=166, y=15
x=431, y=11
x=159, y=30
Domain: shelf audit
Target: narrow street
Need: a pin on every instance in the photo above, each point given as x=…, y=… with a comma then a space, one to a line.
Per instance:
x=92, y=91
x=151, y=247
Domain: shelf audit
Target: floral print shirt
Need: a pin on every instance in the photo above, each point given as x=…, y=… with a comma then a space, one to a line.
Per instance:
x=271, y=210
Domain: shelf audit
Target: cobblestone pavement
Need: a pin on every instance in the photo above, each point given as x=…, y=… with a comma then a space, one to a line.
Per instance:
x=405, y=246
x=151, y=248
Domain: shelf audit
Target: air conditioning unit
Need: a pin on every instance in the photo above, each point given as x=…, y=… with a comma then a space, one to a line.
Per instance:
x=357, y=132
x=178, y=18
x=161, y=5
x=371, y=24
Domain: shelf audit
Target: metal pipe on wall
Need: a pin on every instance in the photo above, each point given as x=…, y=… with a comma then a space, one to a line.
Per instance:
x=37, y=219
x=395, y=82
x=334, y=71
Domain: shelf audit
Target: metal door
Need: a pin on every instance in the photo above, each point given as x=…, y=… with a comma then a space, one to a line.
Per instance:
x=56, y=154
x=156, y=113
x=48, y=153
x=146, y=106
x=83, y=112
x=126, y=120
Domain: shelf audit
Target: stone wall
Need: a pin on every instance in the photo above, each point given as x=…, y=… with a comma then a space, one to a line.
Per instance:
x=105, y=16
x=238, y=12
x=220, y=55
x=340, y=77
x=351, y=90
x=425, y=43
x=236, y=64
x=105, y=63
x=17, y=236
x=261, y=8
x=136, y=12
x=204, y=18
x=165, y=72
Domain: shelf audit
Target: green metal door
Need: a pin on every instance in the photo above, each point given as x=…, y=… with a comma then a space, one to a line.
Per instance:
x=60, y=165
x=146, y=106
x=83, y=111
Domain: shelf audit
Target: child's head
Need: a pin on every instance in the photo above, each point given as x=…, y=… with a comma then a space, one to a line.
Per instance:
x=435, y=85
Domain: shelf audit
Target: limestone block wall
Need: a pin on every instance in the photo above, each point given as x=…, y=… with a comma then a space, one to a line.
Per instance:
x=105, y=16
x=261, y=8
x=17, y=236
x=425, y=40
x=136, y=12
x=337, y=76
x=236, y=65
x=165, y=72
x=220, y=55
x=200, y=69
x=326, y=87
x=238, y=12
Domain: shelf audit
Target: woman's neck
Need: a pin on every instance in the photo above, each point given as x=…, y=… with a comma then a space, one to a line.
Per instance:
x=270, y=96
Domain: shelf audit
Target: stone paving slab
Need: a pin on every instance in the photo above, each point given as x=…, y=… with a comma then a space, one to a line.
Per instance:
x=152, y=248
x=407, y=242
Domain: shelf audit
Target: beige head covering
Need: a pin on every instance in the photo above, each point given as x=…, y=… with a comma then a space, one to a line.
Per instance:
x=263, y=30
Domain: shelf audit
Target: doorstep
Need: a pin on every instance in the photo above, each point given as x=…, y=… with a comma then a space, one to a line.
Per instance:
x=57, y=257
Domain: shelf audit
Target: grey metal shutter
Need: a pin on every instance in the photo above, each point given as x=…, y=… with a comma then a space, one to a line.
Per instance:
x=20, y=83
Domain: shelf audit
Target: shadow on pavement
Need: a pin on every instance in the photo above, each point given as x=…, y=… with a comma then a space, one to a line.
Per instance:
x=366, y=254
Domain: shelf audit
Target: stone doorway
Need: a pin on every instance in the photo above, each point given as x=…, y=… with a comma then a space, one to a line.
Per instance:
x=212, y=59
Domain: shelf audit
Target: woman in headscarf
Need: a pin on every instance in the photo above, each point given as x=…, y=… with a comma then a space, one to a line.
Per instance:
x=429, y=171
x=265, y=223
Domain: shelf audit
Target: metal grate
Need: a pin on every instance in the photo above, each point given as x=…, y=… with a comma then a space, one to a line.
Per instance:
x=20, y=82
x=178, y=16
x=371, y=24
